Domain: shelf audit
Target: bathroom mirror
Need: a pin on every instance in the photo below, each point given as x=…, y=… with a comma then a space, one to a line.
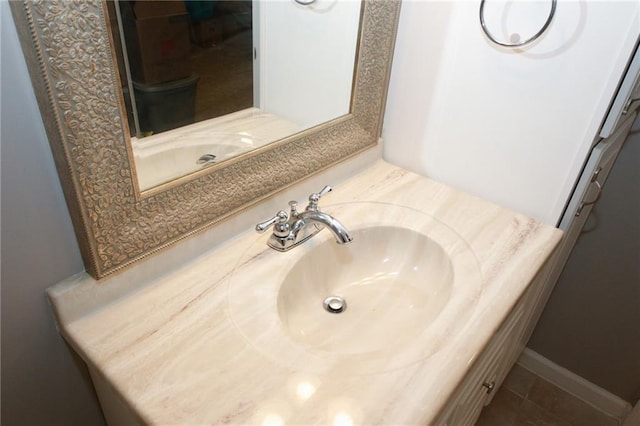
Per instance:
x=205, y=81
x=70, y=56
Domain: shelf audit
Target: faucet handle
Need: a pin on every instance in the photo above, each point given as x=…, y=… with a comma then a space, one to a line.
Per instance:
x=315, y=197
x=293, y=205
x=280, y=218
x=325, y=190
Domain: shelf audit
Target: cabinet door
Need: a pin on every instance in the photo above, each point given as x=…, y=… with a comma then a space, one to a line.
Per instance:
x=590, y=184
x=485, y=376
x=530, y=305
x=627, y=99
x=587, y=192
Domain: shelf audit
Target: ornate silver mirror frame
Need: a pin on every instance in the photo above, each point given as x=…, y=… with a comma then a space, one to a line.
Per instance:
x=69, y=53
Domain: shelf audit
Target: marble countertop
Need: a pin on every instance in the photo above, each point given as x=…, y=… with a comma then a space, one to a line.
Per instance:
x=177, y=351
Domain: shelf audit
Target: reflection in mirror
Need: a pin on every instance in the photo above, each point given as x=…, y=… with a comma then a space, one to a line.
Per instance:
x=74, y=69
x=174, y=48
x=207, y=81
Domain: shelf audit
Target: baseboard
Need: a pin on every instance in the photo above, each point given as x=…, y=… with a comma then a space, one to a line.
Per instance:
x=593, y=395
x=633, y=419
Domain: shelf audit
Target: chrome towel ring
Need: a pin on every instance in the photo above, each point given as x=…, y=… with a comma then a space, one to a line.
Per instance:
x=552, y=12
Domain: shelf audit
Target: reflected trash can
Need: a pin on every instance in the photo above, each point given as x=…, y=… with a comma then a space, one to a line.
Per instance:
x=166, y=106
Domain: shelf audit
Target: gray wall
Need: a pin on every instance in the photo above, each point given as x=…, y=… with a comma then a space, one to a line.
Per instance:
x=591, y=325
x=42, y=382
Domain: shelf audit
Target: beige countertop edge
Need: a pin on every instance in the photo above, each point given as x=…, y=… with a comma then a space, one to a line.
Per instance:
x=510, y=248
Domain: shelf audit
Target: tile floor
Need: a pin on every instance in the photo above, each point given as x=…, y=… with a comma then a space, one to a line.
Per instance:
x=526, y=399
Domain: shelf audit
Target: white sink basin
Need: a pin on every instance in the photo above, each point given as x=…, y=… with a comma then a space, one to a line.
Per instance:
x=160, y=163
x=408, y=281
x=394, y=281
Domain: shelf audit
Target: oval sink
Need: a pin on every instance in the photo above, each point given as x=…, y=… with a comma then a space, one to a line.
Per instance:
x=392, y=279
x=386, y=300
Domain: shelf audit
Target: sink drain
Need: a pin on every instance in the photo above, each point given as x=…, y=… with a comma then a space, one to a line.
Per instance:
x=334, y=304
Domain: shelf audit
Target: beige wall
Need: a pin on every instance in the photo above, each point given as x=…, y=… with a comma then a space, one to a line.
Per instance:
x=591, y=324
x=42, y=382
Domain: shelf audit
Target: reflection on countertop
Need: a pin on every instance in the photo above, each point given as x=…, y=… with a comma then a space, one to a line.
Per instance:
x=170, y=155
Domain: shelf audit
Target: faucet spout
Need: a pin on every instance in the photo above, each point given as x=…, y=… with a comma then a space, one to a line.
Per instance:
x=293, y=229
x=319, y=218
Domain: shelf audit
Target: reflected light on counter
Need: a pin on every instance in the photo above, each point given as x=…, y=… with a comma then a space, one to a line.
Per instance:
x=342, y=419
x=273, y=420
x=305, y=390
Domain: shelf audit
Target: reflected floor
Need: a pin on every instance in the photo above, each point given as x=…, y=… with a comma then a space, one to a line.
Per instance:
x=225, y=68
x=526, y=399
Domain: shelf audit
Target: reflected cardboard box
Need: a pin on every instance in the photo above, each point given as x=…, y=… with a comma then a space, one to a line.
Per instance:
x=207, y=32
x=158, y=42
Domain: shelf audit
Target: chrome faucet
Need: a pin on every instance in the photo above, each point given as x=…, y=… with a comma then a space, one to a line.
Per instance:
x=297, y=227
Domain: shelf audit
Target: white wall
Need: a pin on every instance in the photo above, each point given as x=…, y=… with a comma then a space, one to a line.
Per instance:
x=512, y=126
x=42, y=382
x=306, y=58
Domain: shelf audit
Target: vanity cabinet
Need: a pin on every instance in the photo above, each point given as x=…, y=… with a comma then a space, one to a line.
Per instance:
x=203, y=344
x=495, y=361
